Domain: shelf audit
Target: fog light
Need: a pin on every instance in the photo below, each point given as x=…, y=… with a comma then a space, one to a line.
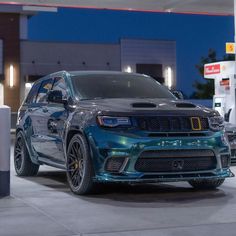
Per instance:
x=116, y=164
x=225, y=161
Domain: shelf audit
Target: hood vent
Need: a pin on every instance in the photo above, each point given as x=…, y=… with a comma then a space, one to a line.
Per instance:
x=143, y=105
x=185, y=105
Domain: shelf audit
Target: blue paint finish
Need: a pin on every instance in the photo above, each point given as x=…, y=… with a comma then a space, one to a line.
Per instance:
x=132, y=144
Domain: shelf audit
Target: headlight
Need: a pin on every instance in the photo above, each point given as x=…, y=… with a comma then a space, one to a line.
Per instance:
x=216, y=123
x=109, y=121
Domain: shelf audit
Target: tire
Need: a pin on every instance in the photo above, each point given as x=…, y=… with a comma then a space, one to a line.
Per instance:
x=22, y=162
x=206, y=183
x=79, y=166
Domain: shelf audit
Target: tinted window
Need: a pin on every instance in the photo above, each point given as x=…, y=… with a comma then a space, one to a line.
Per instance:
x=32, y=93
x=42, y=94
x=118, y=86
x=59, y=84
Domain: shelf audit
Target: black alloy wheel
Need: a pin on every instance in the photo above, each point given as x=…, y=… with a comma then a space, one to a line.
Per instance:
x=22, y=162
x=79, y=166
x=18, y=153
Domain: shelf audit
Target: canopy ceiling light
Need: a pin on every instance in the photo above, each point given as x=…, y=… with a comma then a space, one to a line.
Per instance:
x=212, y=7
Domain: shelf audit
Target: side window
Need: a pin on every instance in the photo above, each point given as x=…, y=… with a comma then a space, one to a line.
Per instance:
x=59, y=84
x=32, y=94
x=42, y=94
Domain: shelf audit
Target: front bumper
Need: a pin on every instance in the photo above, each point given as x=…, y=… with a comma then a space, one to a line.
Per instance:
x=163, y=178
x=107, y=144
x=231, y=135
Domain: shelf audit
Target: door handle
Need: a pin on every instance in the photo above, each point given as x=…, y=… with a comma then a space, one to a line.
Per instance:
x=30, y=109
x=45, y=110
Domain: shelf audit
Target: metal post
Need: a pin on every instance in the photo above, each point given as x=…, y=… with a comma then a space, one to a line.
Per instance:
x=5, y=145
x=233, y=82
x=235, y=23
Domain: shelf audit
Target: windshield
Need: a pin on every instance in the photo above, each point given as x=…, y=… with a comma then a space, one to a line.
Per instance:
x=118, y=86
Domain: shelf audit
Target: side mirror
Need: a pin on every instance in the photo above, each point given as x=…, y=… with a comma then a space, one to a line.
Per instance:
x=56, y=97
x=178, y=94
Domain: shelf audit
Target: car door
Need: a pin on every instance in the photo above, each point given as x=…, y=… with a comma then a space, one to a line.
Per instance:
x=28, y=112
x=39, y=119
x=56, y=115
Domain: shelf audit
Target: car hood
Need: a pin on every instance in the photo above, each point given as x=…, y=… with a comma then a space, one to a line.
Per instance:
x=128, y=106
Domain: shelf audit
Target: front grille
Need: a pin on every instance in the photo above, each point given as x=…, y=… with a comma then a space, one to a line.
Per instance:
x=172, y=124
x=176, y=161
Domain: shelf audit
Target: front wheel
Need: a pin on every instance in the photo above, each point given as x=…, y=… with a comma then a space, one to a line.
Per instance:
x=79, y=166
x=206, y=183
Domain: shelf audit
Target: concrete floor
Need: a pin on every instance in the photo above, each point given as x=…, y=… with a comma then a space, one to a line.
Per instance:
x=44, y=206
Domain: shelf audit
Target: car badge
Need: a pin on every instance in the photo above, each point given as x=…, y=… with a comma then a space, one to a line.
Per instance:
x=196, y=123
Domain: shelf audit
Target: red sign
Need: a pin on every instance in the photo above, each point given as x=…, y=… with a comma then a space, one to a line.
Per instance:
x=212, y=69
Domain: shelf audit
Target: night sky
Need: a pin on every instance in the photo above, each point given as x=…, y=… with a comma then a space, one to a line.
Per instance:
x=194, y=34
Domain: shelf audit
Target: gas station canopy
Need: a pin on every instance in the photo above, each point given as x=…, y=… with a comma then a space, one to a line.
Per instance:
x=211, y=7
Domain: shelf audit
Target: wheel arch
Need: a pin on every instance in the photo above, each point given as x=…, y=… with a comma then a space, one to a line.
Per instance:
x=69, y=136
x=19, y=130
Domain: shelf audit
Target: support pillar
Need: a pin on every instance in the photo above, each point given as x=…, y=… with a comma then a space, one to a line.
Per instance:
x=5, y=145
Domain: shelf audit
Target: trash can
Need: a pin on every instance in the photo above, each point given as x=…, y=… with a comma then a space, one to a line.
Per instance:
x=5, y=146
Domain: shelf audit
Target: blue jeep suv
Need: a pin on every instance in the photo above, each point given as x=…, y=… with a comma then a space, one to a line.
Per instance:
x=118, y=127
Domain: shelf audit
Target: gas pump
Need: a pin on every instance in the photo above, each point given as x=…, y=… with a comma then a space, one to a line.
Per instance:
x=224, y=99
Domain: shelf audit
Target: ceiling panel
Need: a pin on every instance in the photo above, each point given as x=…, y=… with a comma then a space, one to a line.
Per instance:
x=215, y=7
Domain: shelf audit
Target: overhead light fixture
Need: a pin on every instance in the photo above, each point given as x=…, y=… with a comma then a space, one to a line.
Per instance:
x=11, y=76
x=169, y=10
x=40, y=8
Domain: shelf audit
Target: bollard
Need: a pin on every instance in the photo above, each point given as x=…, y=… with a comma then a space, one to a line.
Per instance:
x=5, y=146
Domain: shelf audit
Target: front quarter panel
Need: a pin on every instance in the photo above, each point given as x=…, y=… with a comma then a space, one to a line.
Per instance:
x=78, y=121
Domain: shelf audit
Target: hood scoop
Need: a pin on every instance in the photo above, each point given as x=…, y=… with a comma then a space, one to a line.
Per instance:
x=185, y=105
x=143, y=105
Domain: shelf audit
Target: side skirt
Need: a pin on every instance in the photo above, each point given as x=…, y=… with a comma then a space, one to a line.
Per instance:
x=48, y=162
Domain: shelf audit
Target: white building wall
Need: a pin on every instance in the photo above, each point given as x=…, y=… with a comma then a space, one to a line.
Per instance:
x=41, y=58
x=23, y=27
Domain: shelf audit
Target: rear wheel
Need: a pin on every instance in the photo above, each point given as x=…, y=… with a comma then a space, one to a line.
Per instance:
x=79, y=166
x=206, y=183
x=22, y=162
